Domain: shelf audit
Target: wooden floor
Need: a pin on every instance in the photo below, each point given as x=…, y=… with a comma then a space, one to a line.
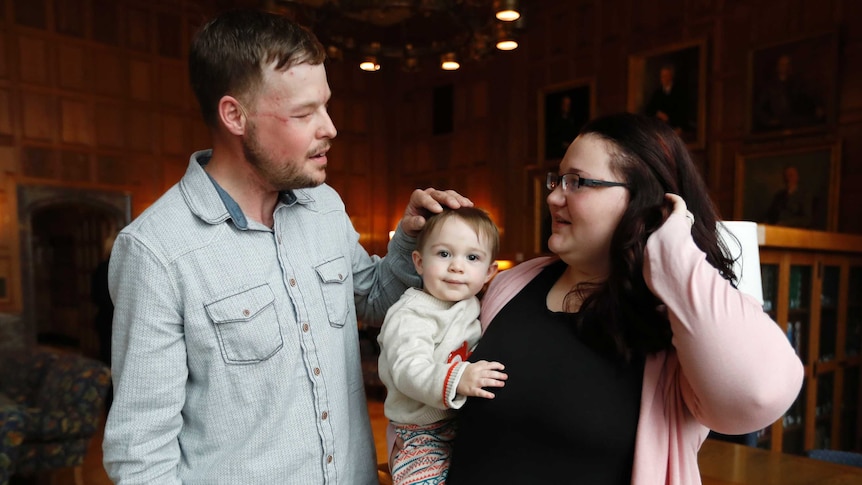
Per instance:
x=94, y=473
x=720, y=463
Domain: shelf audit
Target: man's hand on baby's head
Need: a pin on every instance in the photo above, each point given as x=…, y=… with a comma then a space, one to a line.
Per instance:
x=479, y=375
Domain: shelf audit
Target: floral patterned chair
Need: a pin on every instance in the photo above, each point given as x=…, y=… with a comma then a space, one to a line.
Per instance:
x=11, y=435
x=60, y=396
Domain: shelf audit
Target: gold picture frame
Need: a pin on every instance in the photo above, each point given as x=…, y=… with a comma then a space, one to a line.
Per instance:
x=541, y=216
x=563, y=109
x=792, y=86
x=762, y=179
x=684, y=104
x=5, y=282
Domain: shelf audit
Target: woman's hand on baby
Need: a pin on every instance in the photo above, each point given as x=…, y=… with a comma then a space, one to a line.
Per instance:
x=479, y=375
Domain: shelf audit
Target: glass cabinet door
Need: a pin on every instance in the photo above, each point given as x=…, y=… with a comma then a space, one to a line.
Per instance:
x=853, y=334
x=799, y=305
x=823, y=411
x=793, y=440
x=829, y=313
x=849, y=438
x=850, y=430
x=769, y=280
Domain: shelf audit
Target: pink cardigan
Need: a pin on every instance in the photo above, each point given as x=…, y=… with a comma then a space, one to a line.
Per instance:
x=731, y=369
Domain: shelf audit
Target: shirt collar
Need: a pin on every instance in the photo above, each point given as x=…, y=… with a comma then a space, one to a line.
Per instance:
x=210, y=202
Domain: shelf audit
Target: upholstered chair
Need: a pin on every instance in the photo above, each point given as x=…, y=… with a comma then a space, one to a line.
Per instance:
x=61, y=397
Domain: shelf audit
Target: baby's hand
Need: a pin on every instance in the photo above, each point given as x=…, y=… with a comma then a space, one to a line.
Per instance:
x=481, y=374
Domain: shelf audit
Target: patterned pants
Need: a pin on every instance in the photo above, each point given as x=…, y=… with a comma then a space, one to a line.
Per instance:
x=425, y=456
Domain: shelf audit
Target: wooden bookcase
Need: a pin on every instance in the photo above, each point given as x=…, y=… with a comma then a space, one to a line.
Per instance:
x=812, y=286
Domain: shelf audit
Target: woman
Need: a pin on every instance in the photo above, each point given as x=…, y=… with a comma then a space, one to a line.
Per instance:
x=625, y=348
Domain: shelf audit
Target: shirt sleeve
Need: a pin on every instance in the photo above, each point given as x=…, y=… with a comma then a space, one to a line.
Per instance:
x=149, y=369
x=379, y=282
x=739, y=372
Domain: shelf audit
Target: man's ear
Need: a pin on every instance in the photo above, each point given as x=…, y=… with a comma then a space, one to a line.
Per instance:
x=232, y=115
x=417, y=262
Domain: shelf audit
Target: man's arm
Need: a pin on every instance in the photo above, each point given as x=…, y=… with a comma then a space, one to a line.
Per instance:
x=149, y=369
x=379, y=282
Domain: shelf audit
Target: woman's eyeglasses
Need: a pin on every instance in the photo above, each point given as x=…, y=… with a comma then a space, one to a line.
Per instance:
x=570, y=182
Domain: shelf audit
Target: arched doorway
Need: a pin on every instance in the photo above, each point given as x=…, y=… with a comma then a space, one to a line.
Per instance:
x=62, y=235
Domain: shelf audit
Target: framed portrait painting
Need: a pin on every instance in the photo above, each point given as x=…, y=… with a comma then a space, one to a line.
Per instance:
x=540, y=215
x=563, y=110
x=5, y=281
x=793, y=85
x=670, y=84
x=793, y=188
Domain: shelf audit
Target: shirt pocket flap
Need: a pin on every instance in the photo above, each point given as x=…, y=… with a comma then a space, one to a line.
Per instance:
x=241, y=306
x=334, y=271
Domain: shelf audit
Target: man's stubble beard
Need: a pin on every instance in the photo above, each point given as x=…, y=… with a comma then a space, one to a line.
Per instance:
x=281, y=175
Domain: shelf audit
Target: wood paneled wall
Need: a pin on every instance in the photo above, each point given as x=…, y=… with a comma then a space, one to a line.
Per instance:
x=94, y=94
x=570, y=40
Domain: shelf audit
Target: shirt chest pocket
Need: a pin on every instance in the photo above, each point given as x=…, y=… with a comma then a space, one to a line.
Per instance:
x=246, y=326
x=333, y=284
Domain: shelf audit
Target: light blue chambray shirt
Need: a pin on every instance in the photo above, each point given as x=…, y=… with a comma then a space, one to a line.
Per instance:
x=235, y=350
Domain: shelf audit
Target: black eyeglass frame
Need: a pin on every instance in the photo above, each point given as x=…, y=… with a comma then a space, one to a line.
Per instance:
x=552, y=180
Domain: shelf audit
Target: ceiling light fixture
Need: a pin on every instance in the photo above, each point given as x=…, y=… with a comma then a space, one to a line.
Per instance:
x=506, y=10
x=370, y=64
x=408, y=32
x=449, y=62
x=505, y=40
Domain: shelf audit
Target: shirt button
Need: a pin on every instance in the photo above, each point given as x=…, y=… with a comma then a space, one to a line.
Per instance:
x=292, y=282
x=324, y=415
x=329, y=459
x=246, y=313
x=317, y=371
x=340, y=277
x=304, y=327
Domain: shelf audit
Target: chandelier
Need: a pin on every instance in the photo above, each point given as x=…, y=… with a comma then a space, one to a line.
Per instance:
x=376, y=33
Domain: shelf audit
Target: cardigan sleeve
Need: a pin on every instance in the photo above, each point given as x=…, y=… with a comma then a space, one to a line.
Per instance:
x=738, y=373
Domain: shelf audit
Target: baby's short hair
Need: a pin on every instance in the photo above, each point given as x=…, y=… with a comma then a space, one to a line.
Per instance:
x=476, y=218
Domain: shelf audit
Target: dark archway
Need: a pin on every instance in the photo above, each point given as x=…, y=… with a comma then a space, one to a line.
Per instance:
x=62, y=236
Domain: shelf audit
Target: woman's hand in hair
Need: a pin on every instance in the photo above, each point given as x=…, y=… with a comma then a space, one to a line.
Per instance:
x=679, y=207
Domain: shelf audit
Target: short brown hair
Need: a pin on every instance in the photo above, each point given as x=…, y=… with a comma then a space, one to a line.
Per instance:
x=228, y=54
x=477, y=219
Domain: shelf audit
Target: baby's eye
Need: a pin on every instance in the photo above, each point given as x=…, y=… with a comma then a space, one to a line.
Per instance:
x=443, y=253
x=473, y=257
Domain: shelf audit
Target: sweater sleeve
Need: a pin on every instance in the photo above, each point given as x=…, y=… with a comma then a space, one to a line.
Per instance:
x=407, y=339
x=739, y=372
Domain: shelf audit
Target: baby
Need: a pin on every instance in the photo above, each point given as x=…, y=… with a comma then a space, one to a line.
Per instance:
x=427, y=338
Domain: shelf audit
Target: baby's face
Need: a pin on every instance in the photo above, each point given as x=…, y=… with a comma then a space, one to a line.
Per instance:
x=455, y=263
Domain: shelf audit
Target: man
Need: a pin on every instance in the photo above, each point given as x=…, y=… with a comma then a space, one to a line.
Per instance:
x=236, y=294
x=668, y=102
x=790, y=206
x=562, y=130
x=784, y=102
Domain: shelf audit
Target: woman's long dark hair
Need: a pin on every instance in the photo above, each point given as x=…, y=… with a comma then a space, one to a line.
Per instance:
x=621, y=316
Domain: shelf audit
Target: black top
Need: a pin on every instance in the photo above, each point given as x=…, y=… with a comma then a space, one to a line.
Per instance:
x=566, y=413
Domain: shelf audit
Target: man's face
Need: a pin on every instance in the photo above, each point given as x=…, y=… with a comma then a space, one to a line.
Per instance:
x=288, y=131
x=791, y=176
x=566, y=104
x=783, y=67
x=666, y=77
